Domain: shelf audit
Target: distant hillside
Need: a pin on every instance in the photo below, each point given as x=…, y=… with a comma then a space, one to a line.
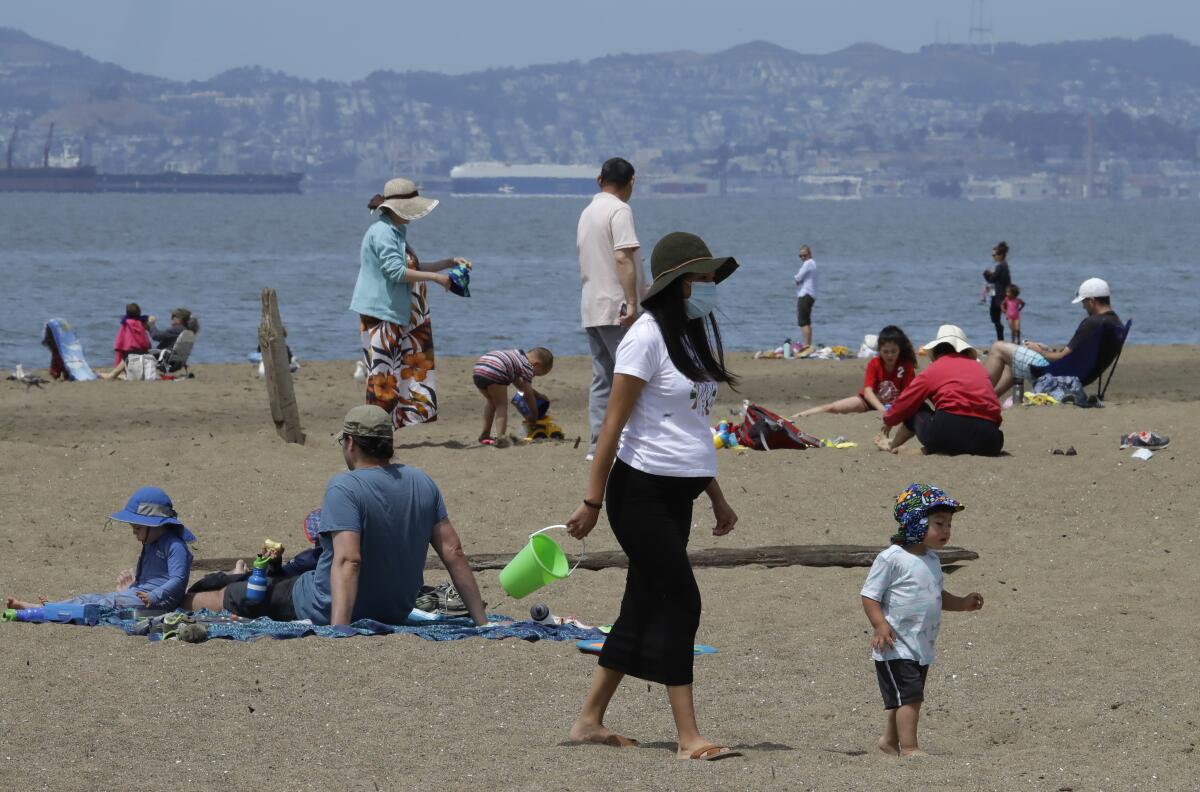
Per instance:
x=681, y=106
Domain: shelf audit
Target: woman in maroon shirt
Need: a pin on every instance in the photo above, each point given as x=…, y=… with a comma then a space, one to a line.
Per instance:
x=965, y=418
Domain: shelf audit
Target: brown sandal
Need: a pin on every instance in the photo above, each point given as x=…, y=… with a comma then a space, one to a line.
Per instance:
x=711, y=753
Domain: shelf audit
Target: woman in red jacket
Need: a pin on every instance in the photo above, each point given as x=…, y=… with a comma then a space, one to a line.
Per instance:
x=965, y=418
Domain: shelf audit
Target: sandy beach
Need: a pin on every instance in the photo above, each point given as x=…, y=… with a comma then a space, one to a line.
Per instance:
x=1078, y=675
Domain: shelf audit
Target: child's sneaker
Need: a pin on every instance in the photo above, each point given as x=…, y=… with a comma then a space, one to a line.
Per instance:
x=1144, y=439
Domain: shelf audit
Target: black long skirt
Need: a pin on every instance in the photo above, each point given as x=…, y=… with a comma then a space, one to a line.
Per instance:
x=651, y=516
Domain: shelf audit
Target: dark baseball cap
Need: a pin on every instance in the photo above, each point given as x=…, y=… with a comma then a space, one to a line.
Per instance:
x=367, y=420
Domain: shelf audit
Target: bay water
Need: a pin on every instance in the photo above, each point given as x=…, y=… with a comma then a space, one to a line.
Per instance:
x=915, y=263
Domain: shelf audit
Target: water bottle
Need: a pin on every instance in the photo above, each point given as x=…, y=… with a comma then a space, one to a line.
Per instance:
x=1018, y=392
x=540, y=613
x=256, y=586
x=787, y=347
x=25, y=614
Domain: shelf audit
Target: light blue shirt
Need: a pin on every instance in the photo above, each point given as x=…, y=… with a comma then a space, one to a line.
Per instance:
x=909, y=589
x=394, y=510
x=380, y=290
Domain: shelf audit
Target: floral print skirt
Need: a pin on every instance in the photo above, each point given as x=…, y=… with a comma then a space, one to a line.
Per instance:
x=399, y=361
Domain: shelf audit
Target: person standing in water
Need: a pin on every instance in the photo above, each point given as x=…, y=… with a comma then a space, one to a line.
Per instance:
x=999, y=279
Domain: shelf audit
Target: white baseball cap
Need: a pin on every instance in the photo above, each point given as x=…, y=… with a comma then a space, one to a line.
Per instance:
x=1092, y=287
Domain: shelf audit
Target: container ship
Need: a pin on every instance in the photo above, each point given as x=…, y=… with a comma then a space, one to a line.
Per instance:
x=496, y=178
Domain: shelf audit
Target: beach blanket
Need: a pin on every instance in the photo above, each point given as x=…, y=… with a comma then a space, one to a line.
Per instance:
x=66, y=353
x=224, y=625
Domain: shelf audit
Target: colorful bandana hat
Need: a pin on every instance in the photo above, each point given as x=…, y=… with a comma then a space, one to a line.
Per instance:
x=312, y=526
x=460, y=280
x=913, y=505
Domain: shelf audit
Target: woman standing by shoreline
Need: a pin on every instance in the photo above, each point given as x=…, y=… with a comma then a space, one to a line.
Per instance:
x=654, y=456
x=394, y=319
x=999, y=279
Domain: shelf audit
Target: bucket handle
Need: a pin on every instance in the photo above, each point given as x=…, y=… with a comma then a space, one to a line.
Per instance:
x=582, y=554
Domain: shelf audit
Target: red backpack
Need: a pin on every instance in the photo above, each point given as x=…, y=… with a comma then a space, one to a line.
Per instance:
x=763, y=430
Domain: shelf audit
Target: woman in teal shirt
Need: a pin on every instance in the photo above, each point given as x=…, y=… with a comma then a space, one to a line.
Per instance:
x=391, y=302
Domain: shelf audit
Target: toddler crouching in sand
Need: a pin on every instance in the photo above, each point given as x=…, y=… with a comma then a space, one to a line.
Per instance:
x=904, y=598
x=495, y=371
x=162, y=568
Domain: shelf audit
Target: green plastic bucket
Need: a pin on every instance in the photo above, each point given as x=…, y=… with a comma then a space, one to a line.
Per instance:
x=540, y=561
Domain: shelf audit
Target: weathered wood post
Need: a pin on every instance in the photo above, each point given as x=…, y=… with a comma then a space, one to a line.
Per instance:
x=285, y=412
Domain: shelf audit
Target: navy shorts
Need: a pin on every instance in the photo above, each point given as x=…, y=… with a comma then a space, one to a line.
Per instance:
x=901, y=682
x=277, y=605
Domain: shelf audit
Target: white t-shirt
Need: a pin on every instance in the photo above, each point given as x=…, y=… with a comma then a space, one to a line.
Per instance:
x=806, y=279
x=605, y=226
x=667, y=433
x=909, y=587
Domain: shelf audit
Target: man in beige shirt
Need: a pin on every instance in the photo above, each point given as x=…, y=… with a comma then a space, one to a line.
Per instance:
x=610, y=268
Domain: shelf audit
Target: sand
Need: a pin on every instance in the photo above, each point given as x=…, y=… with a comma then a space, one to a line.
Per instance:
x=1079, y=674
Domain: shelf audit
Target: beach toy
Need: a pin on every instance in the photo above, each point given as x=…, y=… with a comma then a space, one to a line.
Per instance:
x=25, y=614
x=594, y=645
x=541, y=561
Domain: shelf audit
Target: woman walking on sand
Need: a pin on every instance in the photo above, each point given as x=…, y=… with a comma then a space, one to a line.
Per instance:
x=391, y=301
x=655, y=427
x=999, y=279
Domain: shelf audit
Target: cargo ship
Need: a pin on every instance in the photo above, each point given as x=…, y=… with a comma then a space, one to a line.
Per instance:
x=497, y=178
x=84, y=178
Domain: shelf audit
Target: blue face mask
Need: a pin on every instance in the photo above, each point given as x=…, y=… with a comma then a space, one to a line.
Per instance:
x=703, y=300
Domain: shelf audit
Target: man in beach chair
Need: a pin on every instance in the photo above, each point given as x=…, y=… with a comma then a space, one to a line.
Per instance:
x=176, y=357
x=1101, y=327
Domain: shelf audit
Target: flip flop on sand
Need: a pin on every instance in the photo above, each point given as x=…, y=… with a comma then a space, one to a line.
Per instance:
x=711, y=753
x=487, y=441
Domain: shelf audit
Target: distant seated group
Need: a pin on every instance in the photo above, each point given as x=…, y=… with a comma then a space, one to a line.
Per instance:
x=965, y=396
x=137, y=335
x=376, y=521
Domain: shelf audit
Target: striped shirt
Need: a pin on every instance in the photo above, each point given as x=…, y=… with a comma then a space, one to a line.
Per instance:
x=504, y=366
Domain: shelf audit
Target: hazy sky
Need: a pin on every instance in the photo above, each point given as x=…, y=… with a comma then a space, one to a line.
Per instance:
x=347, y=39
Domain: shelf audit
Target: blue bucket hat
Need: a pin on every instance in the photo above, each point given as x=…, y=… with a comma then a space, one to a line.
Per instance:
x=151, y=507
x=913, y=505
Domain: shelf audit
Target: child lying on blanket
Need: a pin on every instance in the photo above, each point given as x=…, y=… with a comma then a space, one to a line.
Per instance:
x=302, y=562
x=164, y=564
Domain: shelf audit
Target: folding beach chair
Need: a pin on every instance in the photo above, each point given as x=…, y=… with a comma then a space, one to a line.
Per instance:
x=176, y=358
x=1083, y=362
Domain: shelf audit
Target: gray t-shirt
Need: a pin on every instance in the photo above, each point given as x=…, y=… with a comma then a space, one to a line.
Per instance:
x=909, y=588
x=394, y=509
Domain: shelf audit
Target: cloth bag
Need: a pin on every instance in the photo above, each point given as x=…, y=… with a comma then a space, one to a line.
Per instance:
x=141, y=367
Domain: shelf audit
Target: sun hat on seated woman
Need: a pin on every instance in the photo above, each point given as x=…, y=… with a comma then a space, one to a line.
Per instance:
x=955, y=337
x=403, y=198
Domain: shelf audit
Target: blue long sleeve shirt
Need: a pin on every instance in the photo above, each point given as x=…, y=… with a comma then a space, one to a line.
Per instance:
x=163, y=569
x=381, y=291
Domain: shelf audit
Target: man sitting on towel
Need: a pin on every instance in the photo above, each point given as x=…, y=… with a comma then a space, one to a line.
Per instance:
x=1007, y=361
x=376, y=522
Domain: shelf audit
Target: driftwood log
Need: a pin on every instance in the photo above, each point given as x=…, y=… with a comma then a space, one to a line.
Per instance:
x=724, y=557
x=285, y=412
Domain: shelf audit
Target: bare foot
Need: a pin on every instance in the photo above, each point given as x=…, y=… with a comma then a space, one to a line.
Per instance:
x=239, y=567
x=884, y=443
x=599, y=735
x=912, y=752
x=16, y=604
x=891, y=749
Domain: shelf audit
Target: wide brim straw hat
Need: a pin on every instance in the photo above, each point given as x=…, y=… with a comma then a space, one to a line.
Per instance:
x=680, y=253
x=954, y=336
x=403, y=198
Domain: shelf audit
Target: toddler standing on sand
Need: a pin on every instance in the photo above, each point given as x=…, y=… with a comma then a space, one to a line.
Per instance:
x=903, y=598
x=495, y=371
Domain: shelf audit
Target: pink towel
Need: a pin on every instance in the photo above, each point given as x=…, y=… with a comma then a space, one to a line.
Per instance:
x=132, y=337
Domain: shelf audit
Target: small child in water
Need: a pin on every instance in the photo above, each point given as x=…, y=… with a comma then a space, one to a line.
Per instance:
x=1012, y=305
x=495, y=371
x=163, y=567
x=904, y=599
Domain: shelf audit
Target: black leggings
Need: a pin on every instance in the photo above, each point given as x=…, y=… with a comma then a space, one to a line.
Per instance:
x=947, y=433
x=651, y=517
x=995, y=313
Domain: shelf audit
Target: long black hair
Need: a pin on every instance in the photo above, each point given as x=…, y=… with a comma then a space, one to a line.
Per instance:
x=894, y=335
x=693, y=344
